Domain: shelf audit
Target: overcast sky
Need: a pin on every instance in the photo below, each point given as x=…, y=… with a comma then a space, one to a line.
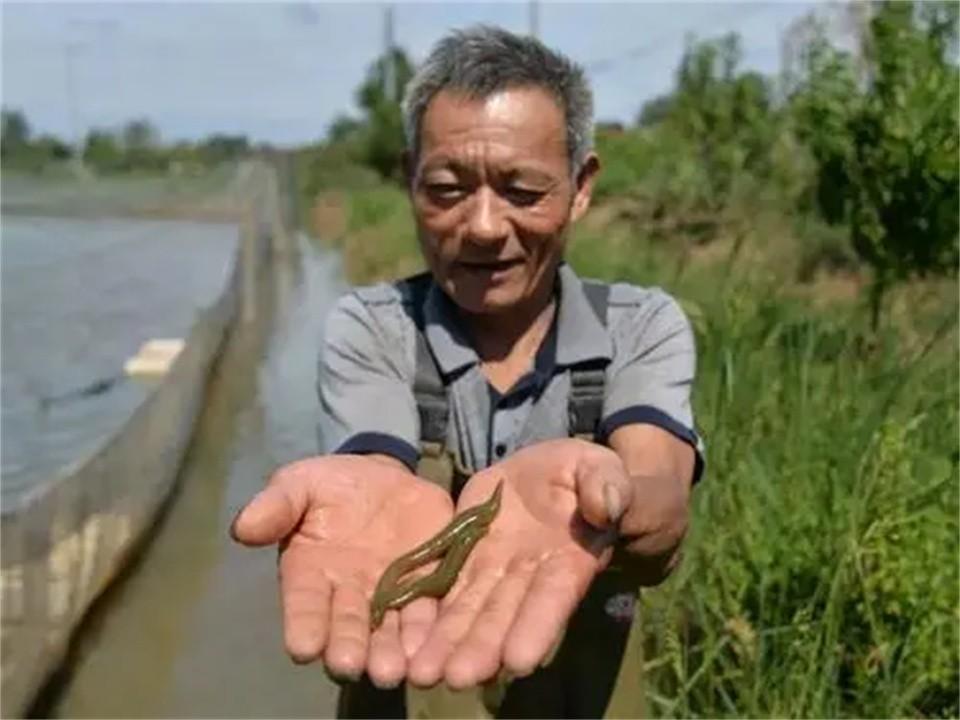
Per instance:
x=281, y=72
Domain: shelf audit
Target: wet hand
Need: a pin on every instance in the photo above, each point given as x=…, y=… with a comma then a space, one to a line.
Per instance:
x=340, y=520
x=518, y=589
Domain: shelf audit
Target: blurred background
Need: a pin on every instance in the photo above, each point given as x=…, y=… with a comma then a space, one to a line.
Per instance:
x=789, y=171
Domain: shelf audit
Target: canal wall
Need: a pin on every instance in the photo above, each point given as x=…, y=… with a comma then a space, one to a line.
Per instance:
x=63, y=544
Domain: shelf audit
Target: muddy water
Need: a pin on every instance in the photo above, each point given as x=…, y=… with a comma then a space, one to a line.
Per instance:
x=193, y=630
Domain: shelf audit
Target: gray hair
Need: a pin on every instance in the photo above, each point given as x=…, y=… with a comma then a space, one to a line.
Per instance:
x=482, y=60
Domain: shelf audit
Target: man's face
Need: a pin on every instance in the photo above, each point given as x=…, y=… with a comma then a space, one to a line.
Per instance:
x=493, y=196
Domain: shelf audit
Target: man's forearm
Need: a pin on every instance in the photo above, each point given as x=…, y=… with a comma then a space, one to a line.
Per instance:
x=653, y=528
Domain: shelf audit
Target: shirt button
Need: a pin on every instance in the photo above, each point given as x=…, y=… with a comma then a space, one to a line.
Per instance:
x=500, y=449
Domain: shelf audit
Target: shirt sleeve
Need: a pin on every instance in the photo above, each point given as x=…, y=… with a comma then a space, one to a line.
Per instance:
x=365, y=387
x=651, y=375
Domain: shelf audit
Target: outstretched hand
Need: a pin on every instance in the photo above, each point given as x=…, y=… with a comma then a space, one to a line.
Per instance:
x=340, y=520
x=516, y=592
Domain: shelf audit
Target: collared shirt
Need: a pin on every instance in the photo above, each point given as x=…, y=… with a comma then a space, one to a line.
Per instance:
x=367, y=368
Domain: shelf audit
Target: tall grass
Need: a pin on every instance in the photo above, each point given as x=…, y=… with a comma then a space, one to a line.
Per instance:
x=820, y=576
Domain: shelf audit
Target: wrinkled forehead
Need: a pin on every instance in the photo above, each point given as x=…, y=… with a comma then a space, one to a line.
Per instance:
x=526, y=119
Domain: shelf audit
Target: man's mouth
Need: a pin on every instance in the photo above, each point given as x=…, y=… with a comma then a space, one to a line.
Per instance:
x=490, y=266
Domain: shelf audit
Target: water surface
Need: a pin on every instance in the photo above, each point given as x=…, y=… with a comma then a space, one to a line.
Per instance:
x=79, y=297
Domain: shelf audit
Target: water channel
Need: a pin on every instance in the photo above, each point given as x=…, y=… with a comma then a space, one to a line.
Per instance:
x=193, y=628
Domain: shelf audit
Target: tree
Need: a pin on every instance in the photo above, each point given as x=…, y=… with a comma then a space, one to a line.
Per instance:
x=342, y=127
x=656, y=110
x=220, y=147
x=887, y=148
x=15, y=132
x=140, y=140
x=824, y=99
x=725, y=115
x=377, y=88
x=379, y=97
x=102, y=151
x=52, y=148
x=139, y=135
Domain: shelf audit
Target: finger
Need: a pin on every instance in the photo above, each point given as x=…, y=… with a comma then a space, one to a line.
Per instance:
x=274, y=512
x=551, y=599
x=387, y=663
x=416, y=621
x=477, y=658
x=305, y=595
x=346, y=653
x=604, y=491
x=452, y=624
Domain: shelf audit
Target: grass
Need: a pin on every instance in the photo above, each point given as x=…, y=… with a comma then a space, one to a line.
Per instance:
x=820, y=576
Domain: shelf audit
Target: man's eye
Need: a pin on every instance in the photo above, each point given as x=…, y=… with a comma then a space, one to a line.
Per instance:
x=445, y=191
x=523, y=197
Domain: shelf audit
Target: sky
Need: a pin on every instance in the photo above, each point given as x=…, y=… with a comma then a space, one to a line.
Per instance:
x=281, y=72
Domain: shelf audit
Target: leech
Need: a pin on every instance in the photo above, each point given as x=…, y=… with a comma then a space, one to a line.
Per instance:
x=454, y=543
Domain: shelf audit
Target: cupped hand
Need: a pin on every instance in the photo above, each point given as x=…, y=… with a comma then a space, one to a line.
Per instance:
x=524, y=579
x=340, y=520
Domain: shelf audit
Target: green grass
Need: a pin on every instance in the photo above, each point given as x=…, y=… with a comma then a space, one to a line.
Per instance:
x=820, y=576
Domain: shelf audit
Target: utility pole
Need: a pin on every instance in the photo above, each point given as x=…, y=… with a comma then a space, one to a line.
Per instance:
x=390, y=70
x=534, y=18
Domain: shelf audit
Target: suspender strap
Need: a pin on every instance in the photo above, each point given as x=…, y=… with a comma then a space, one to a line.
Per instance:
x=428, y=388
x=585, y=406
x=588, y=380
x=430, y=394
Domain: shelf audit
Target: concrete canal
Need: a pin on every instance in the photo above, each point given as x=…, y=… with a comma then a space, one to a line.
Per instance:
x=192, y=629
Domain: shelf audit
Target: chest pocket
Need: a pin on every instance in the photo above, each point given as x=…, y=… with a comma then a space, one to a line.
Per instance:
x=441, y=464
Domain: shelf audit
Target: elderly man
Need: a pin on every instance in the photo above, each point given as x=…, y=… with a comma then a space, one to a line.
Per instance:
x=499, y=364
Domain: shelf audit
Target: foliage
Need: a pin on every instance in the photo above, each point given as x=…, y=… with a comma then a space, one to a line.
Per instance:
x=16, y=131
x=656, y=110
x=379, y=98
x=102, y=151
x=139, y=135
x=886, y=144
x=342, y=127
x=221, y=147
x=724, y=115
x=135, y=147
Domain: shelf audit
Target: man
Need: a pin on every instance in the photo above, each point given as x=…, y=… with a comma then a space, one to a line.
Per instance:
x=438, y=387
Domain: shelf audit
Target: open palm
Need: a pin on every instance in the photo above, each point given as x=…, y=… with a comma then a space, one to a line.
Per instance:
x=340, y=521
x=523, y=581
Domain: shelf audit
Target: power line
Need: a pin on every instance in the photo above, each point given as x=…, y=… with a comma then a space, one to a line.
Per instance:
x=635, y=53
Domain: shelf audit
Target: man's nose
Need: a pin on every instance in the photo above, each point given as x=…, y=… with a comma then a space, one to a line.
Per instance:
x=487, y=222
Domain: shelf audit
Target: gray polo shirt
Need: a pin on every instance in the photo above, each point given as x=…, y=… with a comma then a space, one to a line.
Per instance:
x=368, y=359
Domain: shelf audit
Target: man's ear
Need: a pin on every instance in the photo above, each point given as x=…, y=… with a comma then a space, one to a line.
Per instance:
x=584, y=191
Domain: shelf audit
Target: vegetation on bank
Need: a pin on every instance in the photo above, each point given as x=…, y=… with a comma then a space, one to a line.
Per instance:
x=134, y=148
x=808, y=223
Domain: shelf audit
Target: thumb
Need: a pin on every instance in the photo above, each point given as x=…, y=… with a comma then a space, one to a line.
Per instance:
x=604, y=491
x=272, y=514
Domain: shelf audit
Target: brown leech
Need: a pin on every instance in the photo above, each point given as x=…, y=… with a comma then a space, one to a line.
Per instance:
x=453, y=543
